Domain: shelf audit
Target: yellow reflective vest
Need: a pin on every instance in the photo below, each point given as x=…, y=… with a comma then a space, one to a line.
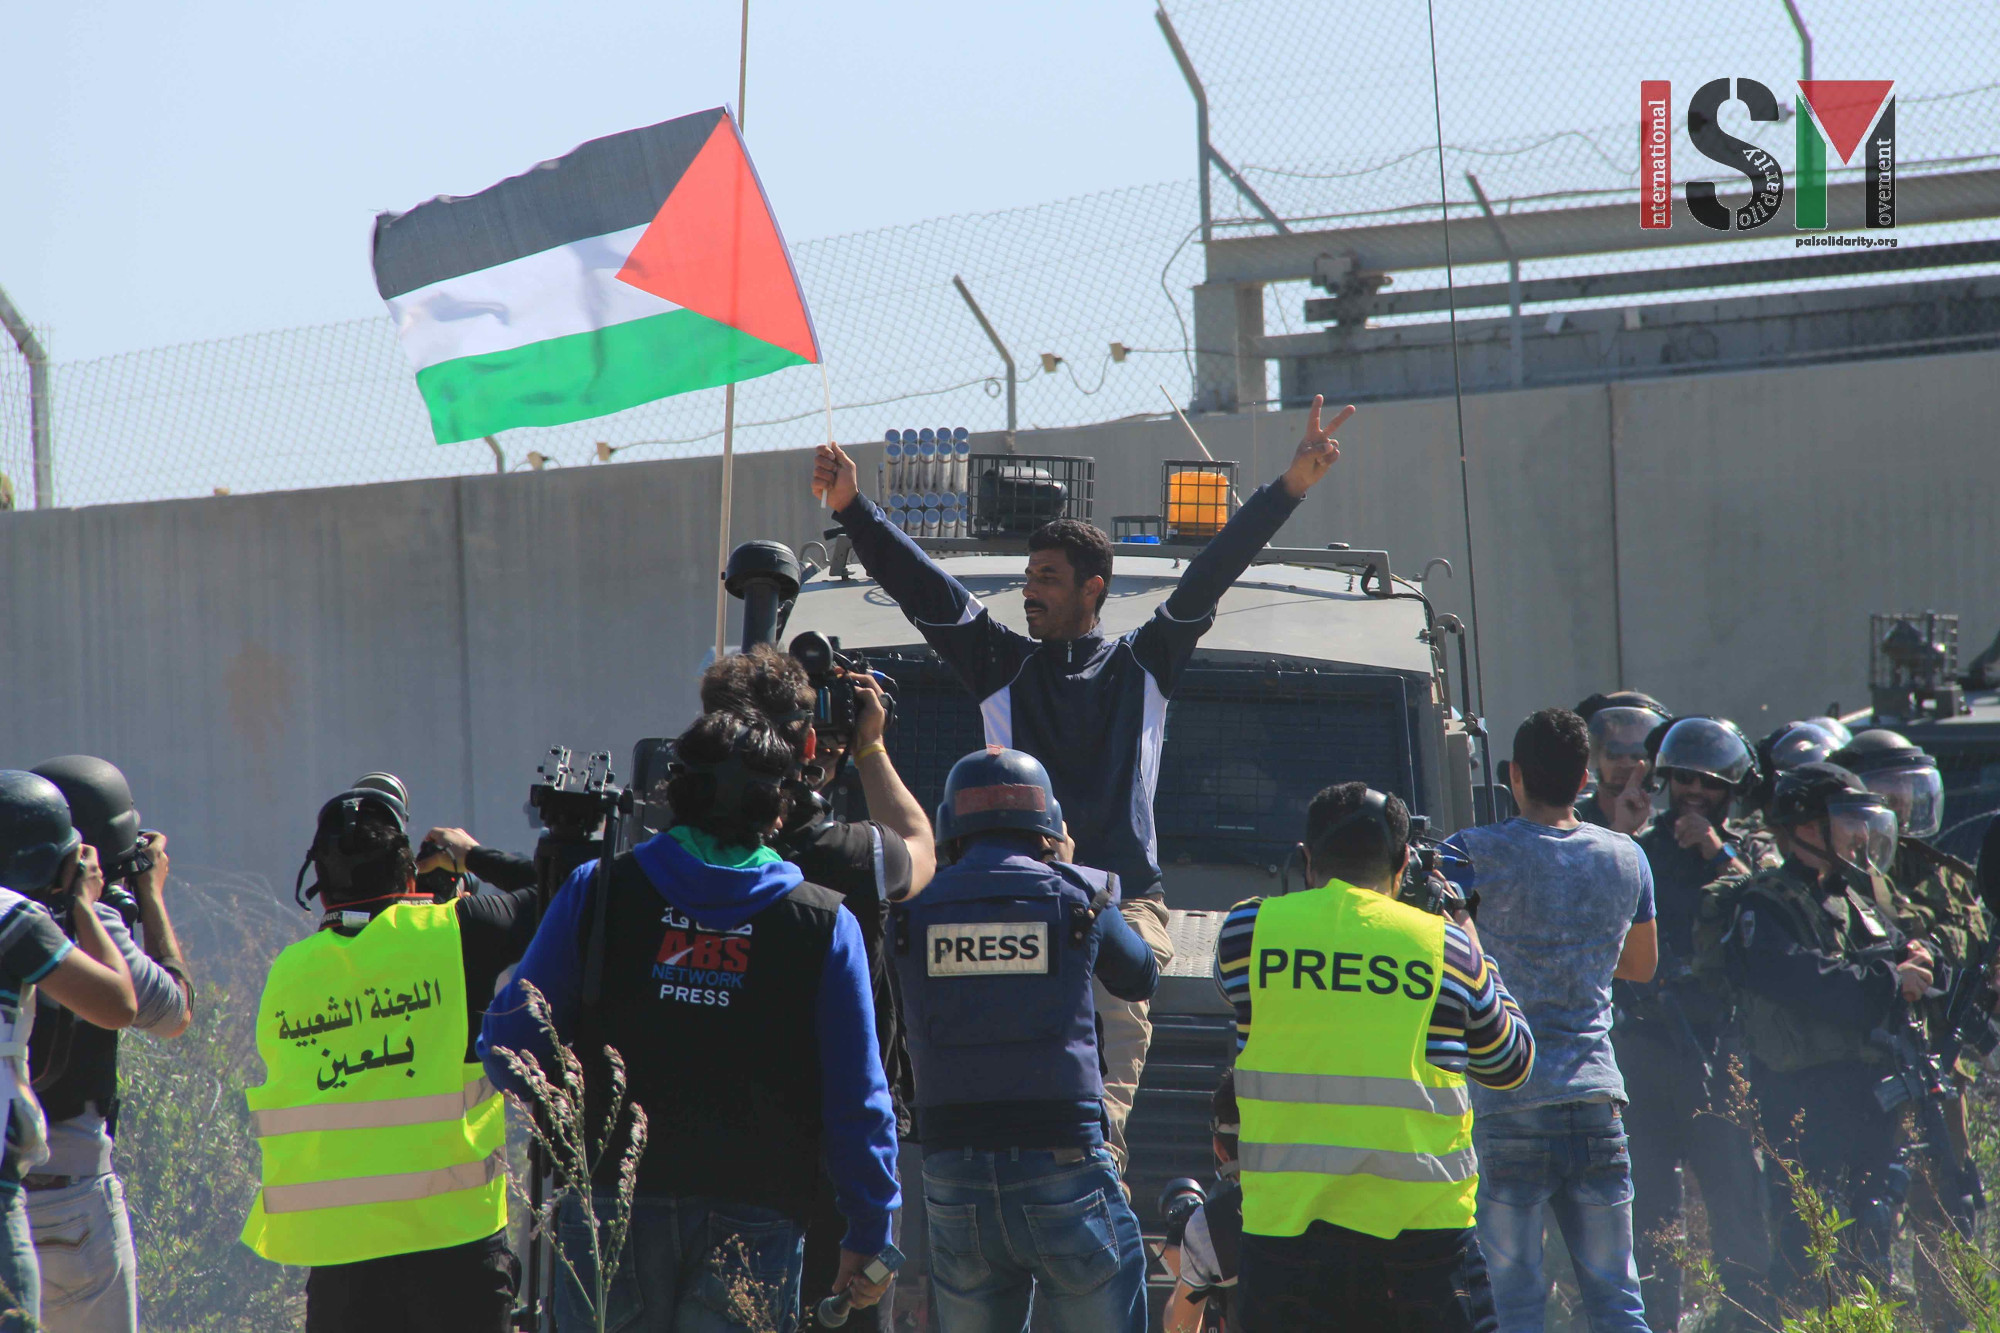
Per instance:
x=1343, y=1119
x=377, y=1136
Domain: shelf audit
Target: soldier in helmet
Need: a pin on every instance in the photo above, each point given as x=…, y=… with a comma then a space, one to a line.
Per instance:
x=1779, y=752
x=41, y=854
x=1619, y=725
x=995, y=963
x=1942, y=906
x=1668, y=1031
x=1814, y=954
x=75, y=1200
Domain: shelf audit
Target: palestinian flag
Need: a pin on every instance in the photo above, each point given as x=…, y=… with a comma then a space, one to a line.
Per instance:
x=640, y=265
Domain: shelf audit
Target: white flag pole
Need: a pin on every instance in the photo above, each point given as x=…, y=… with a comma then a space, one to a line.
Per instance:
x=729, y=392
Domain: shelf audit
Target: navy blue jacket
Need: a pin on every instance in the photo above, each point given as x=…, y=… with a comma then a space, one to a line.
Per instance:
x=995, y=962
x=1093, y=710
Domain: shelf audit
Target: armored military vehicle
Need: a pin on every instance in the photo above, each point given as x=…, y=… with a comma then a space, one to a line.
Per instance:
x=1917, y=686
x=1322, y=666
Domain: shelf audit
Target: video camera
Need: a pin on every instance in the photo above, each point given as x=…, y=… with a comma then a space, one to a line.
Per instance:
x=574, y=801
x=832, y=673
x=1424, y=884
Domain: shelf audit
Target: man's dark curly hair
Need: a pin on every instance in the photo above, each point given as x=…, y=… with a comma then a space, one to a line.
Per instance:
x=767, y=756
x=764, y=680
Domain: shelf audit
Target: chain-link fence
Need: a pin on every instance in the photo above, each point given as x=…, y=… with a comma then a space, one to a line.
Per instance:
x=1325, y=111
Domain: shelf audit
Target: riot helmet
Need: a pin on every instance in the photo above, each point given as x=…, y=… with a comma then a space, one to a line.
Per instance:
x=996, y=789
x=337, y=844
x=100, y=806
x=1618, y=734
x=36, y=835
x=1855, y=825
x=1796, y=743
x=1833, y=726
x=1709, y=746
x=1597, y=703
x=1784, y=749
x=1902, y=775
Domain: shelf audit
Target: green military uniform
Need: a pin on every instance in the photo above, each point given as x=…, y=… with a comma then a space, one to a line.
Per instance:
x=1812, y=971
x=1940, y=905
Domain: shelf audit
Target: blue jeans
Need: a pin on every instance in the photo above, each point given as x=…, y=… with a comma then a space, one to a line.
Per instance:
x=1573, y=1158
x=1007, y=1225
x=691, y=1265
x=20, y=1275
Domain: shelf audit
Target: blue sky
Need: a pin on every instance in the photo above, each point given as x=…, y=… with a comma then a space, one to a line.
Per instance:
x=211, y=167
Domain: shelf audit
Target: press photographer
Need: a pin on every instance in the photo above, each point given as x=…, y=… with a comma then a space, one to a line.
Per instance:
x=1205, y=1231
x=870, y=863
x=1358, y=1172
x=42, y=856
x=366, y=1028
x=738, y=996
x=76, y=1202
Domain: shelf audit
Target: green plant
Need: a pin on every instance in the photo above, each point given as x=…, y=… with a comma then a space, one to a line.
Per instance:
x=190, y=1168
x=554, y=1113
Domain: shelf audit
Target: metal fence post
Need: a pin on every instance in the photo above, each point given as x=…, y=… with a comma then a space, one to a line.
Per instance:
x=39, y=404
x=998, y=346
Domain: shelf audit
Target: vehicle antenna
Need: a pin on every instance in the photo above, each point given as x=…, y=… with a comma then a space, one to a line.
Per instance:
x=1458, y=400
x=1197, y=439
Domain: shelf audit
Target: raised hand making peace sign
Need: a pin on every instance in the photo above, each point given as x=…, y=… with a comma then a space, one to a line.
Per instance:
x=1317, y=451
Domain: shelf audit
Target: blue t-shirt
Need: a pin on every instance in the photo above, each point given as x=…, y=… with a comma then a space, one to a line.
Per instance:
x=1554, y=908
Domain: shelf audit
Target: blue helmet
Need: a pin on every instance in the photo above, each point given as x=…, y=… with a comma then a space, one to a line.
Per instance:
x=993, y=789
x=35, y=831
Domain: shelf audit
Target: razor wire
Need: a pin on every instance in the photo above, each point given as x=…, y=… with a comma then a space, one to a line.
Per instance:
x=1323, y=110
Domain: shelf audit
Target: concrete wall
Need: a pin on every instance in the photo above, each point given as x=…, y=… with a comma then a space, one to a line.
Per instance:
x=1716, y=540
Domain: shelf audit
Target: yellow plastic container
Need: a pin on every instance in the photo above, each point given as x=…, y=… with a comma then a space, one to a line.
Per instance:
x=1197, y=503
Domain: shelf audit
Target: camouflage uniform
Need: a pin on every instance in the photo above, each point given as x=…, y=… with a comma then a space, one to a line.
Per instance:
x=1940, y=906
x=1812, y=972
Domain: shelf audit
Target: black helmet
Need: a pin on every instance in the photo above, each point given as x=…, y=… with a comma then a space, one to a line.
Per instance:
x=337, y=818
x=993, y=789
x=1709, y=745
x=100, y=805
x=35, y=831
x=1827, y=794
x=1904, y=776
x=1784, y=749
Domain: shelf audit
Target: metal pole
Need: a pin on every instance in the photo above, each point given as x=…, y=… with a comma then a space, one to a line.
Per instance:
x=1805, y=38
x=729, y=393
x=998, y=346
x=1513, y=280
x=1200, y=112
x=37, y=358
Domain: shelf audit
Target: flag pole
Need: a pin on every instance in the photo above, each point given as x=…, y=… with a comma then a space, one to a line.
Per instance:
x=729, y=392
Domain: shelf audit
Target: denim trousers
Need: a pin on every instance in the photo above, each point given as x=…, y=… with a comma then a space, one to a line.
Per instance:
x=691, y=1265
x=20, y=1276
x=1573, y=1159
x=1030, y=1226
x=1331, y=1279
x=83, y=1240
